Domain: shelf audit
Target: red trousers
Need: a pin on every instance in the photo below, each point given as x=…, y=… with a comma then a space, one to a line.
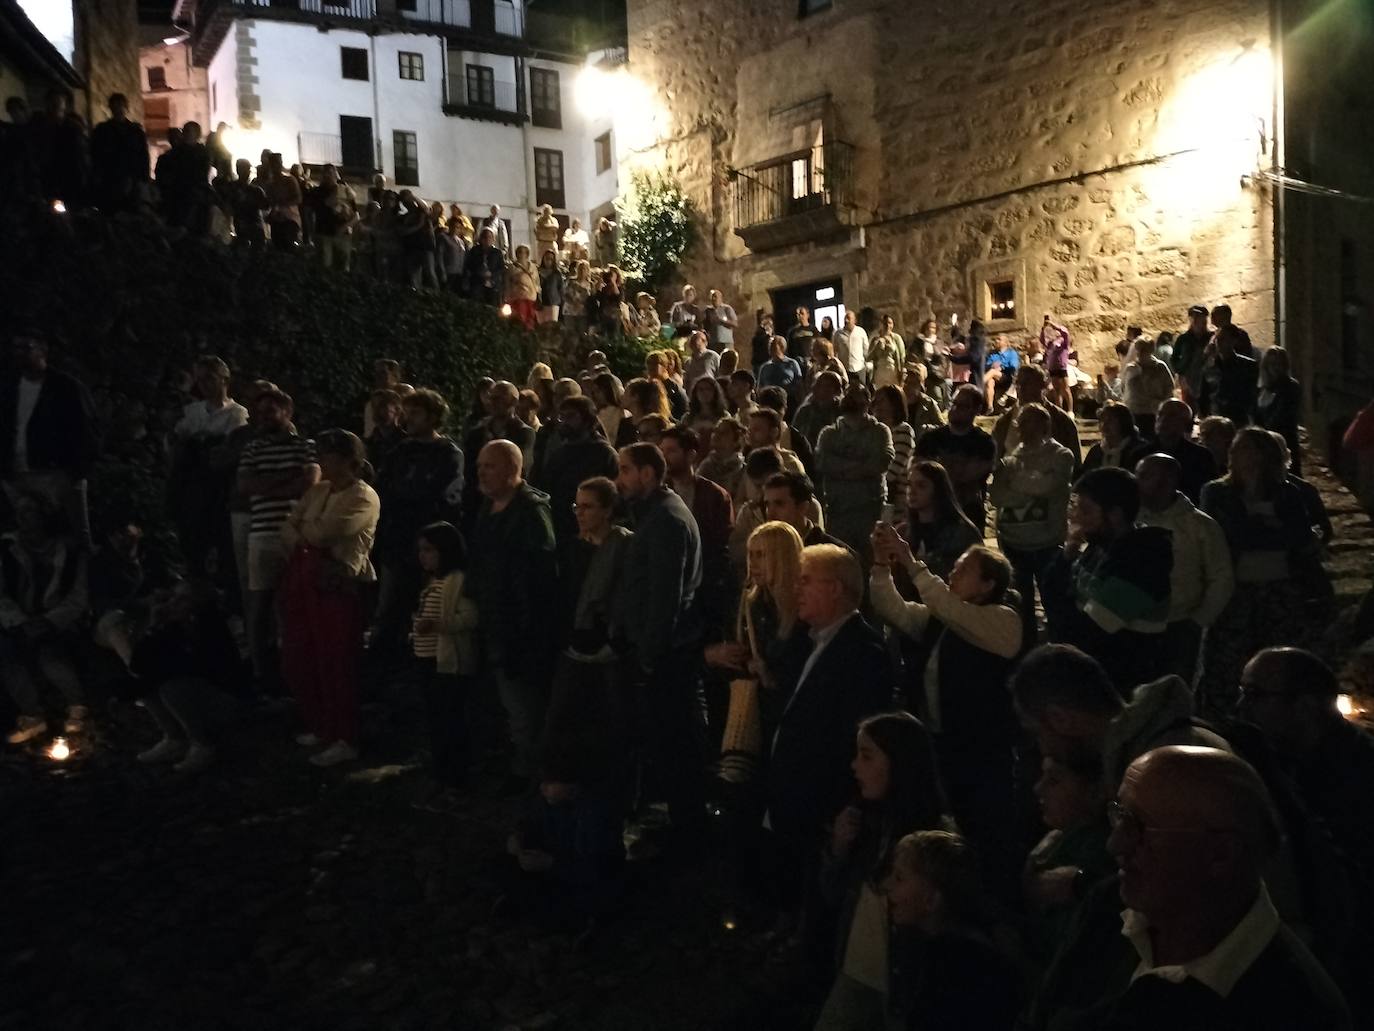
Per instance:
x=322, y=647
x=523, y=312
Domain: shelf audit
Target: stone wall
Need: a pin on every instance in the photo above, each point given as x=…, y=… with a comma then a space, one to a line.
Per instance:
x=107, y=48
x=1091, y=151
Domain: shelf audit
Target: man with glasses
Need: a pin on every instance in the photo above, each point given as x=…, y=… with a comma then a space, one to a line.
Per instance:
x=1200, y=944
x=966, y=451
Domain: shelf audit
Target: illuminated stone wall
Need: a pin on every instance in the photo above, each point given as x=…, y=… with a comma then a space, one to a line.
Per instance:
x=1020, y=139
x=107, y=55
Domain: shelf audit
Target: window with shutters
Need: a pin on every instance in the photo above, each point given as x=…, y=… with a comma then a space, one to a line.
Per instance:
x=548, y=177
x=604, y=154
x=406, y=153
x=157, y=77
x=412, y=65
x=481, y=86
x=356, y=152
x=546, y=102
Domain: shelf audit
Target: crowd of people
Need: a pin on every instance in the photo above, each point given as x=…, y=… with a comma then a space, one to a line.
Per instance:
x=1092, y=777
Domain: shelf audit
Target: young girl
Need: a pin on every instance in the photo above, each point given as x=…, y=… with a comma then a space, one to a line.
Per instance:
x=725, y=464
x=445, y=655
x=898, y=793
x=706, y=407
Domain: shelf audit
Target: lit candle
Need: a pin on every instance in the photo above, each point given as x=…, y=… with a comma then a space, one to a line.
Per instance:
x=505, y=311
x=59, y=749
x=59, y=207
x=1345, y=705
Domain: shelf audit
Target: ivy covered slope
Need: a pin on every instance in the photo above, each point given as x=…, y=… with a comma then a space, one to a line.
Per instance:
x=132, y=308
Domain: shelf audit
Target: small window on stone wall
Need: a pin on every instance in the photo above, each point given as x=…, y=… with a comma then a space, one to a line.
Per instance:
x=1002, y=299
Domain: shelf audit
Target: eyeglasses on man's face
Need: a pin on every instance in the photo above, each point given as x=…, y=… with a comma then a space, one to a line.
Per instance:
x=1133, y=827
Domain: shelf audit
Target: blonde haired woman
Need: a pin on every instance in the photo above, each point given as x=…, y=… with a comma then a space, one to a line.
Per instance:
x=770, y=649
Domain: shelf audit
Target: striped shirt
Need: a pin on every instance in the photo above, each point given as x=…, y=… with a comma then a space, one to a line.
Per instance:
x=903, y=446
x=431, y=607
x=273, y=456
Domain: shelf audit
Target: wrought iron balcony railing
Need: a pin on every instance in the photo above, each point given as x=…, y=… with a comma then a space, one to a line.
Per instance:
x=795, y=184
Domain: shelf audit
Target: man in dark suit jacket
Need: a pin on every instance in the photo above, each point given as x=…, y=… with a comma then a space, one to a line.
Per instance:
x=1230, y=381
x=582, y=453
x=714, y=512
x=661, y=628
x=846, y=677
x=1200, y=945
x=47, y=432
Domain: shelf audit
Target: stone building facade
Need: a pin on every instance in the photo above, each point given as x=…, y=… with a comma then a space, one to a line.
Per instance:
x=1106, y=161
x=107, y=55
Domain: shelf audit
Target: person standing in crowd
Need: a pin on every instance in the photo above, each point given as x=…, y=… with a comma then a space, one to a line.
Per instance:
x=685, y=314
x=283, y=205
x=582, y=454
x=1108, y=591
x=966, y=451
x=1230, y=380
x=445, y=650
x=899, y=792
x=799, y=337
x=522, y=287
x=500, y=233
x=611, y=310
x=550, y=288
x=1202, y=579
x=276, y=467
x=1216, y=434
x=47, y=432
x=647, y=325
x=844, y=678
x=852, y=460
x=1278, y=405
x=420, y=483
x=781, y=370
x=512, y=568
x=950, y=973
x=1174, y=437
x=546, y=232
x=577, y=243
x=335, y=211
x=658, y=369
x=760, y=341
x=968, y=636
x=1030, y=491
x=706, y=406
x=384, y=411
x=416, y=231
x=968, y=355
x=661, y=627
x=713, y=511
x=1146, y=384
x=247, y=202
x=703, y=361
x=1200, y=943
x=577, y=298
x=725, y=463
x=887, y=355
x=1030, y=390
x=820, y=409
x=936, y=527
x=765, y=431
x=1227, y=329
x=43, y=605
x=719, y=321
x=451, y=250
x=1272, y=543
x=923, y=410
x=202, y=477
x=1190, y=354
x=328, y=534
x=484, y=271
x=790, y=498
x=119, y=160
x=889, y=408
x=502, y=424
x=851, y=347
x=1058, y=347
x=1121, y=446
x=57, y=140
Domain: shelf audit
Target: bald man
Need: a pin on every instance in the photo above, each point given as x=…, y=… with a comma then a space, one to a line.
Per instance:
x=1174, y=437
x=1203, y=577
x=1200, y=945
x=511, y=579
x=502, y=424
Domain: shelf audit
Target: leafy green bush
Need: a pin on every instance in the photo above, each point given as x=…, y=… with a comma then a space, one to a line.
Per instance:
x=657, y=229
x=132, y=309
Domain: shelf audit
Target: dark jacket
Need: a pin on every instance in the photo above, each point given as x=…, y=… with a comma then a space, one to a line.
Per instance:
x=420, y=482
x=809, y=771
x=1290, y=531
x=484, y=274
x=566, y=466
x=662, y=576
x=1198, y=467
x=511, y=577
x=119, y=162
x=1278, y=408
x=1229, y=386
x=951, y=981
x=61, y=431
x=1133, y=449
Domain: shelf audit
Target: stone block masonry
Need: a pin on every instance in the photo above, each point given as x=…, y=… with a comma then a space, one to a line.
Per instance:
x=1091, y=152
x=107, y=55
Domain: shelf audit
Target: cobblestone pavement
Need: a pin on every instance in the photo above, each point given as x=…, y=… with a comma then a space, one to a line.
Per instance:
x=267, y=894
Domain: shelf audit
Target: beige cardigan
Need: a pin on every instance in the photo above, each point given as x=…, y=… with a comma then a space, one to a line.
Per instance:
x=456, y=649
x=343, y=522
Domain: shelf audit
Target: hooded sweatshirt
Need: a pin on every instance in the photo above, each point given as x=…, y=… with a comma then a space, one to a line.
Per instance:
x=1030, y=488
